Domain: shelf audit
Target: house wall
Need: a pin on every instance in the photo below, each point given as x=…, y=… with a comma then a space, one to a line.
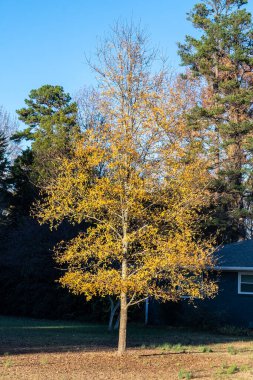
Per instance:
x=227, y=308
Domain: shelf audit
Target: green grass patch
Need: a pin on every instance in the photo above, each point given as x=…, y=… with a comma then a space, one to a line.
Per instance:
x=229, y=369
x=182, y=374
x=8, y=363
x=205, y=349
x=43, y=361
x=171, y=347
x=232, y=350
x=232, y=369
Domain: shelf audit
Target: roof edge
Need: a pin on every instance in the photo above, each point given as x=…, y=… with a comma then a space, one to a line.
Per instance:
x=218, y=268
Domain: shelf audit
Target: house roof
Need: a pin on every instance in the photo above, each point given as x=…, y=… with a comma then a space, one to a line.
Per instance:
x=235, y=256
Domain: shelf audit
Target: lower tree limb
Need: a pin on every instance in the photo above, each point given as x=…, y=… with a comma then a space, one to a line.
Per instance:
x=146, y=311
x=113, y=308
x=116, y=326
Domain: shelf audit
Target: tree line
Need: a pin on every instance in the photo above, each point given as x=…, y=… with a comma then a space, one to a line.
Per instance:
x=142, y=176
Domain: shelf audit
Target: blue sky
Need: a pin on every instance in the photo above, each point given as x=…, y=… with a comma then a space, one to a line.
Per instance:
x=45, y=41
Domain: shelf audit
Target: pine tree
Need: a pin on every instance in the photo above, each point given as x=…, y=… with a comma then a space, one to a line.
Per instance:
x=3, y=179
x=51, y=117
x=223, y=58
x=24, y=190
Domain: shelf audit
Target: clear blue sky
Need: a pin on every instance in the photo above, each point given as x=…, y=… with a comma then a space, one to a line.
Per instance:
x=44, y=41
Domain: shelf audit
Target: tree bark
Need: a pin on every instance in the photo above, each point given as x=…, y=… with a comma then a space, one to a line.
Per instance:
x=122, y=324
x=123, y=295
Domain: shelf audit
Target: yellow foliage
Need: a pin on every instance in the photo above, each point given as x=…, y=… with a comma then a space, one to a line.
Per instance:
x=141, y=181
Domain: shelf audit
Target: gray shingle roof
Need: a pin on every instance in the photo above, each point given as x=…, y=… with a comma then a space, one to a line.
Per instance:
x=238, y=255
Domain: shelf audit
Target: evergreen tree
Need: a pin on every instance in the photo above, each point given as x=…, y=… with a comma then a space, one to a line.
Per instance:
x=24, y=190
x=4, y=194
x=51, y=117
x=223, y=58
x=27, y=269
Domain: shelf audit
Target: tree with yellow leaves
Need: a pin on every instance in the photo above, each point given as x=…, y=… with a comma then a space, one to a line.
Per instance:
x=140, y=181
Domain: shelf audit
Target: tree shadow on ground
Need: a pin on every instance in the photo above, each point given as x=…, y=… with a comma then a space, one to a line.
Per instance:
x=22, y=335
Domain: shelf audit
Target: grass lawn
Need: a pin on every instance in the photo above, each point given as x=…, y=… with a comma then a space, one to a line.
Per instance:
x=40, y=349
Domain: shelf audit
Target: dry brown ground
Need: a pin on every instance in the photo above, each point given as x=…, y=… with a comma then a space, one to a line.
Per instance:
x=137, y=364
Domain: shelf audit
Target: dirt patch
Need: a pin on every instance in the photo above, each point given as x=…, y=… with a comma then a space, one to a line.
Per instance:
x=137, y=364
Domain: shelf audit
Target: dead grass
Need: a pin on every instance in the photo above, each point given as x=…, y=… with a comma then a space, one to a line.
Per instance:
x=137, y=364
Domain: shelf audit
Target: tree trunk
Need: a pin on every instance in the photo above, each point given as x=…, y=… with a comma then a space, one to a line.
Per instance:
x=122, y=324
x=123, y=295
